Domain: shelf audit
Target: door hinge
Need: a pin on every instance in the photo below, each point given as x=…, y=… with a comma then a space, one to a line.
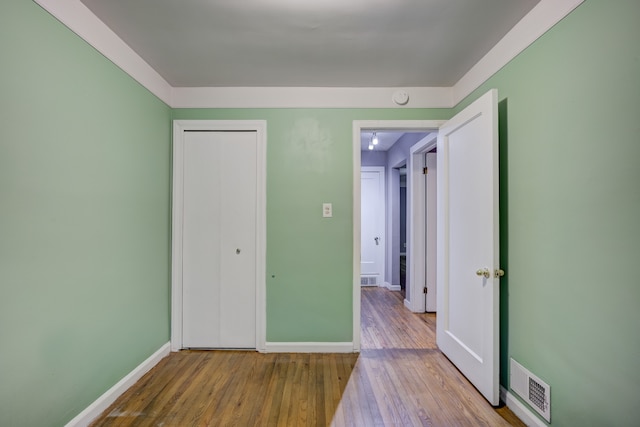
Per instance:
x=425, y=171
x=424, y=290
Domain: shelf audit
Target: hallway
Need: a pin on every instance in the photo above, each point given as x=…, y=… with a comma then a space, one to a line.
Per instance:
x=399, y=379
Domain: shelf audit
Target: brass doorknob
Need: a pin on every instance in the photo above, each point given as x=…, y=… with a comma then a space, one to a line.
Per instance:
x=484, y=272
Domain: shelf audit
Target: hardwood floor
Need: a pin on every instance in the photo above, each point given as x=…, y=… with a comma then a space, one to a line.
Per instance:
x=400, y=378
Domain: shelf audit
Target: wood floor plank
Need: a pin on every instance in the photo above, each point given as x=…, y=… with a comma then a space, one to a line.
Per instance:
x=400, y=378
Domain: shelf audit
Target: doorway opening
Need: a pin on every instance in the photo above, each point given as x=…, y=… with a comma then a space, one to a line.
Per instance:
x=402, y=208
x=391, y=152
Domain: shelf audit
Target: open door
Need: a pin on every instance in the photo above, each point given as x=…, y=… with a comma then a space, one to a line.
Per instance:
x=468, y=244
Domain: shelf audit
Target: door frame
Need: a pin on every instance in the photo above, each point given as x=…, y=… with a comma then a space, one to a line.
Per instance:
x=359, y=126
x=179, y=129
x=416, y=238
x=382, y=193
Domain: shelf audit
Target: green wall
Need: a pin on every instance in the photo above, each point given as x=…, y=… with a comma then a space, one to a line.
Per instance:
x=309, y=161
x=570, y=141
x=84, y=220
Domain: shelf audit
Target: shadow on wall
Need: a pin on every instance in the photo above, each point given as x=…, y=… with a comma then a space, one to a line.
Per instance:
x=503, y=138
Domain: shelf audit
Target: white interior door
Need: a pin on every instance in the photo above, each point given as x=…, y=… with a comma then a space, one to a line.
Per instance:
x=431, y=230
x=219, y=240
x=468, y=290
x=372, y=225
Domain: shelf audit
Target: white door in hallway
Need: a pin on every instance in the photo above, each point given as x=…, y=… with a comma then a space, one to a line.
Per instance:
x=431, y=231
x=372, y=225
x=468, y=252
x=219, y=240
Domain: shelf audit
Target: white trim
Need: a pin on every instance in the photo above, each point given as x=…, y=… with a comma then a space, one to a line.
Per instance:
x=179, y=127
x=358, y=127
x=520, y=409
x=532, y=26
x=416, y=221
x=383, y=233
x=309, y=347
x=79, y=19
x=308, y=97
x=356, y=234
x=99, y=405
x=407, y=304
x=391, y=287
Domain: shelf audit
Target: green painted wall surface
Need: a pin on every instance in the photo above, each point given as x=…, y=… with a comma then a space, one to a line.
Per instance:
x=309, y=161
x=571, y=212
x=84, y=221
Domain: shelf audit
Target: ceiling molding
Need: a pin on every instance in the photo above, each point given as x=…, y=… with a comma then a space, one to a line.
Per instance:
x=79, y=19
x=538, y=21
x=308, y=97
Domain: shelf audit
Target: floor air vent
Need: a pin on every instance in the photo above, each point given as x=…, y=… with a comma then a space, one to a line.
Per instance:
x=368, y=280
x=532, y=389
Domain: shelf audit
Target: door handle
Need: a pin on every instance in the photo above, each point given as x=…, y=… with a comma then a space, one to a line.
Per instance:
x=377, y=239
x=484, y=272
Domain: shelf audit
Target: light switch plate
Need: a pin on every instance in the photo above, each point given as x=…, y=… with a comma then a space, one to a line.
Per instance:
x=327, y=210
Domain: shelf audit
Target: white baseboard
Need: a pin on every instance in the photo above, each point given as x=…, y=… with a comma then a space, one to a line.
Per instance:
x=92, y=411
x=309, y=347
x=407, y=303
x=520, y=409
x=391, y=287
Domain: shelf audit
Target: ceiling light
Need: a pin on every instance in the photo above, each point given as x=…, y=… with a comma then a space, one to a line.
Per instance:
x=374, y=140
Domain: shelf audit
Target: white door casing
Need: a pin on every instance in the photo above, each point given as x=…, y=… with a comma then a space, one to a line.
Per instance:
x=431, y=230
x=229, y=253
x=373, y=239
x=468, y=242
x=357, y=128
x=416, y=225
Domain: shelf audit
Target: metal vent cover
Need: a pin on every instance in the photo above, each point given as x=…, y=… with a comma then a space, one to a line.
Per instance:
x=538, y=394
x=532, y=389
x=368, y=280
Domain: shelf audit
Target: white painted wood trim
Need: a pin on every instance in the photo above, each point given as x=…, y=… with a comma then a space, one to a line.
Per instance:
x=179, y=127
x=407, y=304
x=416, y=227
x=520, y=409
x=358, y=127
x=309, y=347
x=79, y=19
x=356, y=235
x=308, y=97
x=532, y=26
x=92, y=411
x=391, y=287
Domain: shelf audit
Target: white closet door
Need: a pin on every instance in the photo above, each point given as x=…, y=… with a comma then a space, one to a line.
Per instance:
x=219, y=240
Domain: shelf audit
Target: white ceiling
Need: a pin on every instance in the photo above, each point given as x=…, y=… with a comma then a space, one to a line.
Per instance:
x=311, y=43
x=386, y=139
